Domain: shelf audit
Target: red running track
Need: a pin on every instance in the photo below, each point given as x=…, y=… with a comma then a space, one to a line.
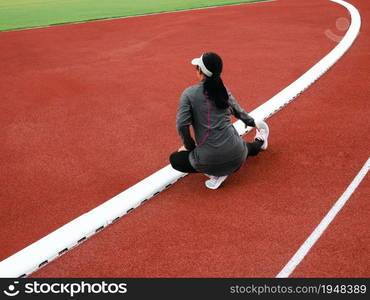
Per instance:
x=84, y=100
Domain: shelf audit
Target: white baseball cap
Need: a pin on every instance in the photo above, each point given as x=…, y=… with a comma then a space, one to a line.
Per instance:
x=199, y=62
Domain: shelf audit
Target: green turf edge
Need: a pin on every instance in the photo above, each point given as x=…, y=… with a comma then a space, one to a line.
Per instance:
x=132, y=15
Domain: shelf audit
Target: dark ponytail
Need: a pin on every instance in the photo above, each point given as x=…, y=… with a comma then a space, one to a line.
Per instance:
x=214, y=88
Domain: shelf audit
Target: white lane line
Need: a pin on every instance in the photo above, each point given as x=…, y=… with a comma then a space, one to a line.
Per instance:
x=325, y=222
x=78, y=230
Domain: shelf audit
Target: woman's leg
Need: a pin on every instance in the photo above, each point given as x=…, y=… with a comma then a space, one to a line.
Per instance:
x=180, y=162
x=254, y=148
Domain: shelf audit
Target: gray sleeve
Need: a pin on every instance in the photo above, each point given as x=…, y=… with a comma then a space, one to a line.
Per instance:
x=184, y=113
x=183, y=120
x=239, y=112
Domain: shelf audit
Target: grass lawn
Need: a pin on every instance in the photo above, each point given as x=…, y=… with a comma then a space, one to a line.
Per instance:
x=18, y=14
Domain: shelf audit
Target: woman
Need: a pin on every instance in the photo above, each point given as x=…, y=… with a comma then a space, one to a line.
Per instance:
x=218, y=150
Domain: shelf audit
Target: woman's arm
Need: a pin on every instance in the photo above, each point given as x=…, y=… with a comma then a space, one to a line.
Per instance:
x=183, y=120
x=239, y=112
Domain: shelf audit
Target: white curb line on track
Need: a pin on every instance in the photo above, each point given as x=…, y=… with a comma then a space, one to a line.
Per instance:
x=78, y=230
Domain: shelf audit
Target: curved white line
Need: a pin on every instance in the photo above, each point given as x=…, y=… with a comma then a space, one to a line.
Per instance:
x=68, y=236
x=11, y=294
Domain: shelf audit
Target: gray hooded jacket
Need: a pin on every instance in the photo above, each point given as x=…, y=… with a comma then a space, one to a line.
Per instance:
x=218, y=149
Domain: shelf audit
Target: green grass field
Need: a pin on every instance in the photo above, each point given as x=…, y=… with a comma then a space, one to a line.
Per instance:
x=18, y=14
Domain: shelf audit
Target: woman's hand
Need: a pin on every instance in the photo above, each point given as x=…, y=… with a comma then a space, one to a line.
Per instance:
x=182, y=148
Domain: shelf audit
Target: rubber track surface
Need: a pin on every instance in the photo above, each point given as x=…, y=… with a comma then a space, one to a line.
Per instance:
x=89, y=109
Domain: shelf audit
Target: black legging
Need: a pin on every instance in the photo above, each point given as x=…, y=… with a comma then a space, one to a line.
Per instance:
x=180, y=160
x=254, y=148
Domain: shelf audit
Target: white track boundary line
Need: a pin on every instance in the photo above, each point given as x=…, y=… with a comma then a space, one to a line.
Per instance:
x=78, y=230
x=325, y=222
x=142, y=15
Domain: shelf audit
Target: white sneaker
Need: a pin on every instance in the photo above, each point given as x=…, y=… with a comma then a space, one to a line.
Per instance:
x=215, y=182
x=262, y=134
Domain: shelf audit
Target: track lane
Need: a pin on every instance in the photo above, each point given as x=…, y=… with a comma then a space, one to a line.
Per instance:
x=343, y=250
x=72, y=136
x=198, y=229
